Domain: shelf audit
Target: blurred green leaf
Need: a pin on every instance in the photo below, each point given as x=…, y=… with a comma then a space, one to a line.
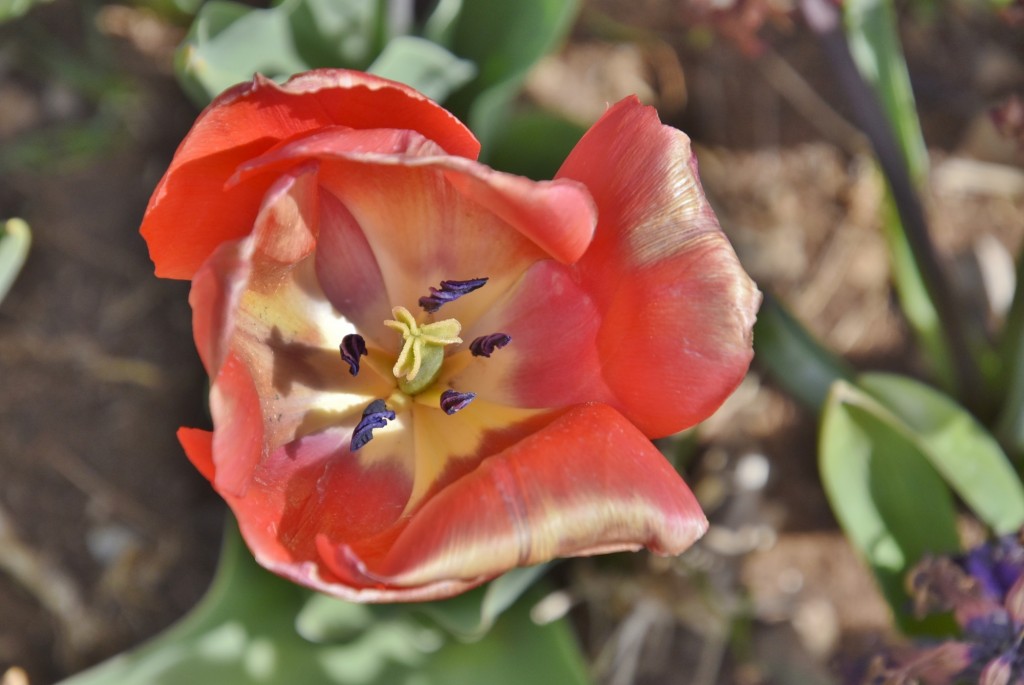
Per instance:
x=888, y=498
x=874, y=41
x=440, y=25
x=172, y=9
x=11, y=9
x=514, y=652
x=796, y=361
x=915, y=303
x=1009, y=427
x=15, y=239
x=253, y=627
x=228, y=42
x=336, y=33
x=426, y=66
x=955, y=346
x=875, y=45
x=962, y=451
x=504, y=39
x=534, y=143
x=472, y=614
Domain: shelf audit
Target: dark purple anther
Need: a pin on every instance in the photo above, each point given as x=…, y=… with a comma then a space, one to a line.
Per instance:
x=352, y=348
x=450, y=290
x=453, y=400
x=485, y=345
x=376, y=415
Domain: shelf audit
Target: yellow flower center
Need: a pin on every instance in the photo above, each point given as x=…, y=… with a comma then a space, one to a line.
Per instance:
x=419, y=362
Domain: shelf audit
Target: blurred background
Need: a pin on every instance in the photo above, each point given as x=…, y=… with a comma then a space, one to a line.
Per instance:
x=107, y=533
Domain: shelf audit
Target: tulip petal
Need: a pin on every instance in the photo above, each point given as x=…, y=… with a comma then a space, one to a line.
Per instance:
x=283, y=234
x=588, y=483
x=198, y=446
x=347, y=270
x=315, y=487
x=269, y=337
x=238, y=438
x=553, y=358
x=430, y=217
x=191, y=211
x=677, y=308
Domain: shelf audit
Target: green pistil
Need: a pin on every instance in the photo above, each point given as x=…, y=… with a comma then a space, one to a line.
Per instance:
x=419, y=362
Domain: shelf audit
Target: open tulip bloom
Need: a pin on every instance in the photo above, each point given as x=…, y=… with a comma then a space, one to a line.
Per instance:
x=426, y=372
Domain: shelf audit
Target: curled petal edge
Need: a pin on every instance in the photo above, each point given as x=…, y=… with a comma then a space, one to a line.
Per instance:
x=185, y=222
x=588, y=483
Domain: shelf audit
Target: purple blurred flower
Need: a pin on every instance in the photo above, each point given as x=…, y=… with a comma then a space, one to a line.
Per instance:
x=984, y=590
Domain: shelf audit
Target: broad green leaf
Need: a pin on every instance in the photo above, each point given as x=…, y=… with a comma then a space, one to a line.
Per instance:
x=888, y=498
x=15, y=239
x=962, y=451
x=504, y=39
x=11, y=9
x=255, y=628
x=229, y=42
x=426, y=66
x=795, y=360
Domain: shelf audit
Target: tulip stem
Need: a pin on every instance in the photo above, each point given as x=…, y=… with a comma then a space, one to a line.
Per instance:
x=823, y=17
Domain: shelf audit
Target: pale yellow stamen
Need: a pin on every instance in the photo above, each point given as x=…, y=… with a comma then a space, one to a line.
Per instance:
x=422, y=349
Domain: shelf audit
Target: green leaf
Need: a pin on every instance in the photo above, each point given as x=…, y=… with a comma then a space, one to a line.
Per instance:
x=872, y=33
x=534, y=143
x=890, y=501
x=440, y=25
x=962, y=451
x=229, y=42
x=504, y=39
x=336, y=33
x=15, y=239
x=471, y=615
x=875, y=44
x=795, y=360
x=255, y=628
x=12, y=9
x=515, y=651
x=1009, y=427
x=915, y=303
x=425, y=66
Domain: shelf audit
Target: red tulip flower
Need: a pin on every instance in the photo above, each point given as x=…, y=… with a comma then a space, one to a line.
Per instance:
x=426, y=372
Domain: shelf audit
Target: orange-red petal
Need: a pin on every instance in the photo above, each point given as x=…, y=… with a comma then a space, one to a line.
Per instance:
x=676, y=306
x=428, y=216
x=192, y=211
x=198, y=446
x=587, y=483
